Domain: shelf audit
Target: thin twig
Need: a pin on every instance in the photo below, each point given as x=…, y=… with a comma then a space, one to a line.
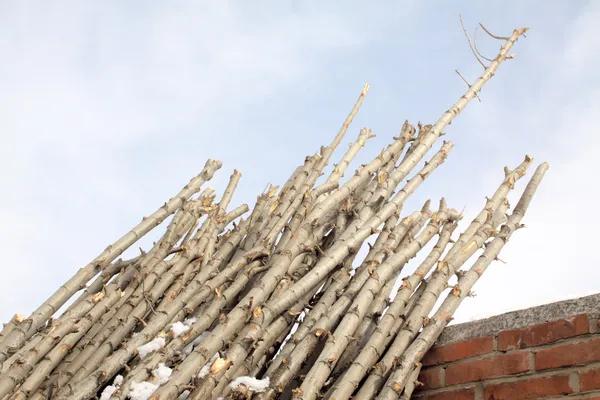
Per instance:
x=477, y=50
x=492, y=35
x=146, y=298
x=470, y=45
x=468, y=84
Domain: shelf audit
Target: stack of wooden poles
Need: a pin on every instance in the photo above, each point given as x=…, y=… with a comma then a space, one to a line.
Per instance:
x=273, y=301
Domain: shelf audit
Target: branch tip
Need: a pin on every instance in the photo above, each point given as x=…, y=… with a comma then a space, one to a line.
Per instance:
x=500, y=37
x=470, y=45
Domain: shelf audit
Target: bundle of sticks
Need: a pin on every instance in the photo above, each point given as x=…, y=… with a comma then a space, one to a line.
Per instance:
x=273, y=302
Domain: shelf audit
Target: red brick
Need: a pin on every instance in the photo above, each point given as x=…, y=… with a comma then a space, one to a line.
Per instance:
x=463, y=394
x=431, y=378
x=475, y=370
x=532, y=388
x=459, y=351
x=548, y=332
x=589, y=380
x=568, y=354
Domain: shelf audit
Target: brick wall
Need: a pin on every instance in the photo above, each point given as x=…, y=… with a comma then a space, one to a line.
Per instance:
x=559, y=359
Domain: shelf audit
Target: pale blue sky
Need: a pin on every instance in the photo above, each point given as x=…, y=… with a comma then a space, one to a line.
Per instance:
x=107, y=110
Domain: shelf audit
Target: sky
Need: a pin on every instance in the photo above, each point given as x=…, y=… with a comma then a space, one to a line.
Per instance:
x=108, y=109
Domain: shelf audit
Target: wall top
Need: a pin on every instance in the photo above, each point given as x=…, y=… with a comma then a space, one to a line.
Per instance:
x=520, y=319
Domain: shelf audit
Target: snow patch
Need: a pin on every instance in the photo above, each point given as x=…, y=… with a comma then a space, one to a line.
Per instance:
x=179, y=328
x=162, y=373
x=189, y=321
x=253, y=384
x=153, y=345
x=118, y=380
x=142, y=390
x=108, y=392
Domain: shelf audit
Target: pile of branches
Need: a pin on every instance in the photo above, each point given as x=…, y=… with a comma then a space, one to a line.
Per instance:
x=272, y=302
